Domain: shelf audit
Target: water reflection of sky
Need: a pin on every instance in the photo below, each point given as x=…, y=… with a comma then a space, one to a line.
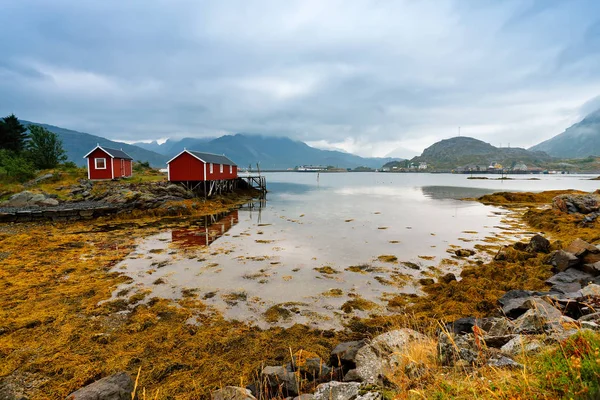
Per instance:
x=341, y=220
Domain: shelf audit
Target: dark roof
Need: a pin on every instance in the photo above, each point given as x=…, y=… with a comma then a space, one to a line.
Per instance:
x=212, y=158
x=117, y=153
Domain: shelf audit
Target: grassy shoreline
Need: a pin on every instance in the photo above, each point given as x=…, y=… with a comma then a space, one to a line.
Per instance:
x=55, y=337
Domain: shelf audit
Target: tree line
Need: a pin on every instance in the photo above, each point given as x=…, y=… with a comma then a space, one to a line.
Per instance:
x=23, y=150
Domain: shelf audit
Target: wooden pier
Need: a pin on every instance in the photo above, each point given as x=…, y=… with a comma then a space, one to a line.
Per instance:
x=207, y=189
x=258, y=182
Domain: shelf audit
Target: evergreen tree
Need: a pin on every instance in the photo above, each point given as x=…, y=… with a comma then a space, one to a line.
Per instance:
x=12, y=134
x=45, y=148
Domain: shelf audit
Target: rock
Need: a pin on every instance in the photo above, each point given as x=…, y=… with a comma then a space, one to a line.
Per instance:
x=462, y=325
x=521, y=344
x=19, y=200
x=452, y=349
x=344, y=354
x=539, y=313
x=464, y=252
x=426, y=281
x=337, y=391
x=566, y=288
x=115, y=387
x=48, y=202
x=594, y=326
x=281, y=378
x=538, y=244
x=381, y=355
x=449, y=277
x=497, y=342
x=591, y=317
x=370, y=396
x=503, y=254
x=315, y=368
x=571, y=275
x=591, y=290
x=503, y=362
x=233, y=393
x=39, y=179
x=561, y=260
x=591, y=217
x=591, y=258
x=305, y=396
x=497, y=326
x=580, y=247
x=573, y=203
x=513, y=300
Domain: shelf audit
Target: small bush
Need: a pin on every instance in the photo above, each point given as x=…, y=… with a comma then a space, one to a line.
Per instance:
x=16, y=167
x=573, y=369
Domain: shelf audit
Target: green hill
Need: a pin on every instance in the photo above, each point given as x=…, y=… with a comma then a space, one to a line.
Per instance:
x=460, y=151
x=78, y=144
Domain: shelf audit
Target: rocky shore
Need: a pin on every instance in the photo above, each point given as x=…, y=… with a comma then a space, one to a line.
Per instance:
x=88, y=200
x=524, y=322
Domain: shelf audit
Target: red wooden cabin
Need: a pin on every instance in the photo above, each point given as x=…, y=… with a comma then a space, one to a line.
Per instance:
x=105, y=163
x=194, y=166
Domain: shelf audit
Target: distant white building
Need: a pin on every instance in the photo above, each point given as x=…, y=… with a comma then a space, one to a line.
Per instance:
x=422, y=165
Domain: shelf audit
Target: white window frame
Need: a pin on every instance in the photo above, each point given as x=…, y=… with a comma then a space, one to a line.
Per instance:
x=211, y=168
x=221, y=168
x=231, y=169
x=96, y=163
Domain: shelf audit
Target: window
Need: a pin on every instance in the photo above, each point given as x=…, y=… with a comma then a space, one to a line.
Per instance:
x=221, y=168
x=211, y=168
x=100, y=163
x=231, y=169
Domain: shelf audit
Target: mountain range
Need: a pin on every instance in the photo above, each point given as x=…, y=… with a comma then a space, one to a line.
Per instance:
x=78, y=144
x=269, y=151
x=578, y=141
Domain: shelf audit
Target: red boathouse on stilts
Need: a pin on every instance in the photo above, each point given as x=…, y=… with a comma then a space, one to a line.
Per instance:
x=210, y=173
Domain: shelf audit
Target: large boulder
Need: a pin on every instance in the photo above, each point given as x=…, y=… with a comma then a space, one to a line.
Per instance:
x=376, y=359
x=19, y=200
x=232, y=393
x=540, y=313
x=115, y=387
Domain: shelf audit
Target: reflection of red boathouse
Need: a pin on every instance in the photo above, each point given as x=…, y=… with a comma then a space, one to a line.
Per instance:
x=210, y=229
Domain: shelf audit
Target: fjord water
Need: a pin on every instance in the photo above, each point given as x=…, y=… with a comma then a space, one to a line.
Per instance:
x=244, y=262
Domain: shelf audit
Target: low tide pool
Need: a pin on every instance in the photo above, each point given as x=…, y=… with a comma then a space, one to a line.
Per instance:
x=323, y=249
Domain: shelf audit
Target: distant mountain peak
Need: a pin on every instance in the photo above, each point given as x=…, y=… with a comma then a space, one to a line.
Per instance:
x=580, y=140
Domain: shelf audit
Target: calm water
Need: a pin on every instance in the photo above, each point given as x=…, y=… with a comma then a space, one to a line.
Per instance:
x=244, y=262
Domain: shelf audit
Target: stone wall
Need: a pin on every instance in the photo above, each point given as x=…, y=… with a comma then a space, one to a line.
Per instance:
x=61, y=214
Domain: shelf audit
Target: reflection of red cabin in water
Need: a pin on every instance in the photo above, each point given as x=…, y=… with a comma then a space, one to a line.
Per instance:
x=105, y=163
x=212, y=229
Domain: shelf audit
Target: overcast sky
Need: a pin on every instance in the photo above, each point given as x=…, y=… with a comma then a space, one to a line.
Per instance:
x=373, y=77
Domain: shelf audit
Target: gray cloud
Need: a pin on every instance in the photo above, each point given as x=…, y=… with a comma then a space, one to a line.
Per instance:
x=364, y=76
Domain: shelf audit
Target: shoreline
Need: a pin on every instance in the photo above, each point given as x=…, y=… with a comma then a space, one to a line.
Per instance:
x=106, y=343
